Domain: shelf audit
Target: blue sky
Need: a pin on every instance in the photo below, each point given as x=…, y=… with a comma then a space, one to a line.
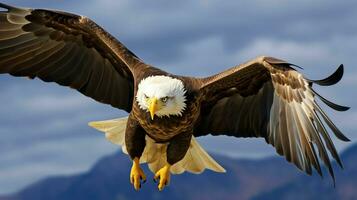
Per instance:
x=43, y=127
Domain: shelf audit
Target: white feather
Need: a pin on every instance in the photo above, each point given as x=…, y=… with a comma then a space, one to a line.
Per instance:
x=159, y=87
x=114, y=130
x=195, y=161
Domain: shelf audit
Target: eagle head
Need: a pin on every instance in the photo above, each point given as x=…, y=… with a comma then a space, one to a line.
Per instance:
x=161, y=96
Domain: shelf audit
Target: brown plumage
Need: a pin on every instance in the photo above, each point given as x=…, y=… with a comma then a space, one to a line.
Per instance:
x=273, y=101
x=265, y=97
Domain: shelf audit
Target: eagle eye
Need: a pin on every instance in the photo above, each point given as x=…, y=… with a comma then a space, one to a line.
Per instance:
x=164, y=99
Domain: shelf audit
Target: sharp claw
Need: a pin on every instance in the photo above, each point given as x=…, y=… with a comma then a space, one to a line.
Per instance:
x=163, y=175
x=137, y=176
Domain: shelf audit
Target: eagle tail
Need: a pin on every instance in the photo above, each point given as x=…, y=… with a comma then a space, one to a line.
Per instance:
x=114, y=130
x=195, y=161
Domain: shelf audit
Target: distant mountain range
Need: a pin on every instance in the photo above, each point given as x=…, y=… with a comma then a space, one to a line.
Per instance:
x=271, y=178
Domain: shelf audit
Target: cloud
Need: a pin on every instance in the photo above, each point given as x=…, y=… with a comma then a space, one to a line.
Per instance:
x=54, y=103
x=46, y=124
x=289, y=50
x=351, y=79
x=28, y=164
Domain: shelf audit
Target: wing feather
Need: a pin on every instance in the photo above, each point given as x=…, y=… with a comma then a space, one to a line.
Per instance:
x=68, y=49
x=332, y=79
x=274, y=101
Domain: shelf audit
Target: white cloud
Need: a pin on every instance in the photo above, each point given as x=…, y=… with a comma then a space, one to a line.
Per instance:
x=205, y=37
x=286, y=49
x=25, y=165
x=54, y=103
x=207, y=56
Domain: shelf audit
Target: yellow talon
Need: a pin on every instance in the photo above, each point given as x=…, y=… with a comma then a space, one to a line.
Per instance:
x=136, y=174
x=164, y=175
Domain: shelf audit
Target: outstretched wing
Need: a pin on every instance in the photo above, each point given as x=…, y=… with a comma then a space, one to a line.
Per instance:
x=267, y=98
x=68, y=49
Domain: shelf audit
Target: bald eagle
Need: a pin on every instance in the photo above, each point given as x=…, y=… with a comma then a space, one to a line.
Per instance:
x=265, y=97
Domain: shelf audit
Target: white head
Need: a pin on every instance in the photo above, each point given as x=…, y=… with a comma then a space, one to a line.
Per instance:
x=161, y=96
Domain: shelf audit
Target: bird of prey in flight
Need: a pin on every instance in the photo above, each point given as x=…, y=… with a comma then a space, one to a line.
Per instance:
x=265, y=97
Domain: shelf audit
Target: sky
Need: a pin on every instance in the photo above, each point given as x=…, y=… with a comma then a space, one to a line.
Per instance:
x=43, y=127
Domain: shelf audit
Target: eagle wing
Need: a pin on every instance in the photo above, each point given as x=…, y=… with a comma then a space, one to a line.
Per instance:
x=68, y=49
x=268, y=98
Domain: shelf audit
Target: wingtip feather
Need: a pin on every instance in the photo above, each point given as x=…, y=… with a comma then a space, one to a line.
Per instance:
x=331, y=104
x=8, y=7
x=332, y=79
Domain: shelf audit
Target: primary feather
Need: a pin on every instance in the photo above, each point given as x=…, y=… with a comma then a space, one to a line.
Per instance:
x=267, y=98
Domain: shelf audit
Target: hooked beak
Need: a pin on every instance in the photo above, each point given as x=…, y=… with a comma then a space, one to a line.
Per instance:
x=152, y=107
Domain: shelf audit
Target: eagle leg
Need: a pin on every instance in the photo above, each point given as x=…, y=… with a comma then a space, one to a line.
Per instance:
x=137, y=174
x=176, y=150
x=164, y=176
x=135, y=144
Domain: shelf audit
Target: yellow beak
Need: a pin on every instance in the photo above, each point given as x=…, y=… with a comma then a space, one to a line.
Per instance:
x=152, y=107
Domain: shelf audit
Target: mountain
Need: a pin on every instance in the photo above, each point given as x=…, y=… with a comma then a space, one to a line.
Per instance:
x=271, y=178
x=314, y=188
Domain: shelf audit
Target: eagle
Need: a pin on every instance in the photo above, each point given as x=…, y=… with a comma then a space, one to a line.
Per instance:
x=265, y=97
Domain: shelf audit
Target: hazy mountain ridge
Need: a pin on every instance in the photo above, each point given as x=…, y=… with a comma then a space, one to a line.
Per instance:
x=271, y=178
x=314, y=188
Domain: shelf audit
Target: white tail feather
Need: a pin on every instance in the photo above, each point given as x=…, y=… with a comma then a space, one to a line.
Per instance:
x=195, y=161
x=114, y=130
